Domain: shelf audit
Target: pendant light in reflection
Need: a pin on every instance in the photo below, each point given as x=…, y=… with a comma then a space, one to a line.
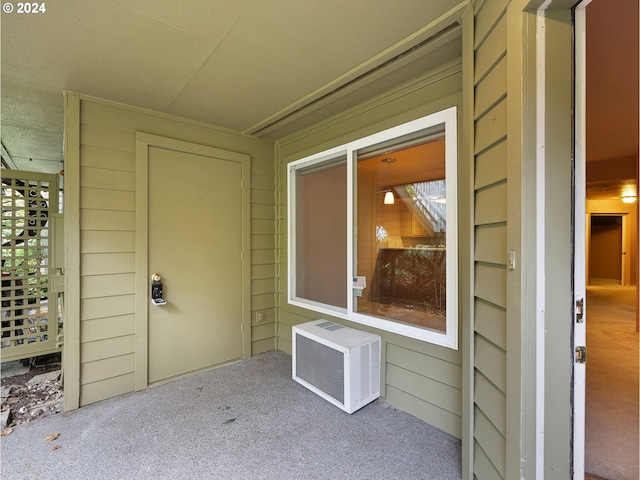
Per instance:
x=389, y=199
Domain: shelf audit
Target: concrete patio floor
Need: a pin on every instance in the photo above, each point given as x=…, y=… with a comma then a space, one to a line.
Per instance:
x=247, y=420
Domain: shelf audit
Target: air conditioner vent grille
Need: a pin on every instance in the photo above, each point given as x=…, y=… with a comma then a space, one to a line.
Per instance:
x=340, y=364
x=320, y=366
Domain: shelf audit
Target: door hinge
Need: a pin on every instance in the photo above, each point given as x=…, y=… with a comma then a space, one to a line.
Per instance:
x=581, y=354
x=580, y=310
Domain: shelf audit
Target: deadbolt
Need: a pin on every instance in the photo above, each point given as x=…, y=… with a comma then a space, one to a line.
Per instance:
x=581, y=354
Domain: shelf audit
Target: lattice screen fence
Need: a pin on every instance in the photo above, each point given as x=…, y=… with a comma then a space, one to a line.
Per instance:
x=30, y=319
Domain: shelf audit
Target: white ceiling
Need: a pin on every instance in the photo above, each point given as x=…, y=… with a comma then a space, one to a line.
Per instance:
x=263, y=67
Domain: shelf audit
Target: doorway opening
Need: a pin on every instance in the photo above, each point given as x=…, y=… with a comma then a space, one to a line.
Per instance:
x=606, y=250
x=611, y=114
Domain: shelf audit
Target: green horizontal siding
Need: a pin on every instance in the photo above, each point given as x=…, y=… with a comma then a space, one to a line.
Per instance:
x=420, y=378
x=107, y=235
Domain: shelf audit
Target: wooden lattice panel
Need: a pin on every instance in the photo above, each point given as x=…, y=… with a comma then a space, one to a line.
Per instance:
x=29, y=313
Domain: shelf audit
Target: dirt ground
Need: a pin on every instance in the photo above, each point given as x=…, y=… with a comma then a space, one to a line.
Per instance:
x=28, y=397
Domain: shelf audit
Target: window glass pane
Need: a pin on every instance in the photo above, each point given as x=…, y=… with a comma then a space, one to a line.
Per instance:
x=321, y=233
x=390, y=265
x=401, y=230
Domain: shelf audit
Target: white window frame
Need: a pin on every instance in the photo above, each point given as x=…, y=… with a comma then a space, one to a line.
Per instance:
x=449, y=338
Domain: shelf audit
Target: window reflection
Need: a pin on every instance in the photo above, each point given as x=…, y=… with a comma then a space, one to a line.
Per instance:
x=401, y=247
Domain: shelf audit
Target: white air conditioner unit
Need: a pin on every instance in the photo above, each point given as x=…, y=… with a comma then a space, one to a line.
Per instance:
x=340, y=364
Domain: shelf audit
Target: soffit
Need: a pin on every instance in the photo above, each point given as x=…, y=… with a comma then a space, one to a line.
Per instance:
x=239, y=64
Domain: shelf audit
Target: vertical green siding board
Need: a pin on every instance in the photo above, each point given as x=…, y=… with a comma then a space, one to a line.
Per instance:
x=467, y=272
x=71, y=348
x=558, y=213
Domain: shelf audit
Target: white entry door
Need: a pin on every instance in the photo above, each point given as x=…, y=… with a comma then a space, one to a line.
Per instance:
x=579, y=254
x=195, y=243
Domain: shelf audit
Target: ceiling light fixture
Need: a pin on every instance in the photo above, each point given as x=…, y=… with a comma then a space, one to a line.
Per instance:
x=628, y=199
x=389, y=199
